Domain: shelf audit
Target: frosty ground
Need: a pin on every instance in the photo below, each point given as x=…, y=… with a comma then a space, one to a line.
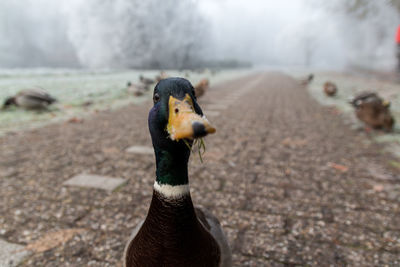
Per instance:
x=81, y=93
x=292, y=181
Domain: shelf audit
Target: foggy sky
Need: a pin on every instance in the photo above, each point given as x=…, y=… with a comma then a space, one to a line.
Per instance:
x=280, y=32
x=288, y=32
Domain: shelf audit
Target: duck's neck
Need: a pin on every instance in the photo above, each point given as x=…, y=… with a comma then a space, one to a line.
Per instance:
x=171, y=208
x=172, y=183
x=172, y=170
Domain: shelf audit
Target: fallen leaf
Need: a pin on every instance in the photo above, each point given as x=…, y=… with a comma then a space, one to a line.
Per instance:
x=378, y=188
x=335, y=111
x=52, y=240
x=339, y=167
x=87, y=103
x=75, y=120
x=214, y=155
x=286, y=141
x=110, y=150
x=295, y=142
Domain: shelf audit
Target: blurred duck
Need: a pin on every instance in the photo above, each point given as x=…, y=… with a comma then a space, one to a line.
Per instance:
x=136, y=89
x=373, y=111
x=175, y=232
x=30, y=99
x=306, y=81
x=146, y=81
x=201, y=87
x=330, y=88
x=161, y=76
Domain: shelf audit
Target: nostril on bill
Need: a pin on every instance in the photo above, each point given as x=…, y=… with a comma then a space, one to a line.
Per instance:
x=199, y=130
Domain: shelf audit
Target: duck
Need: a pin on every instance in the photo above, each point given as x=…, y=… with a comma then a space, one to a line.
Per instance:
x=201, y=87
x=146, y=81
x=371, y=109
x=306, y=81
x=30, y=99
x=175, y=232
x=136, y=89
x=161, y=76
x=330, y=89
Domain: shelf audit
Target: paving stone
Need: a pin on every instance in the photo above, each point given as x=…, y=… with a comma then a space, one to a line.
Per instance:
x=211, y=113
x=95, y=181
x=216, y=107
x=230, y=98
x=227, y=102
x=11, y=254
x=145, y=150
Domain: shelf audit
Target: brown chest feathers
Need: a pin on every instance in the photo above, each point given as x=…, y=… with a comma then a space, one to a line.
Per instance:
x=172, y=235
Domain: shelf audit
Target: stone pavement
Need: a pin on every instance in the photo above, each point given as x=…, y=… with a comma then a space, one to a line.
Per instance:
x=95, y=181
x=11, y=254
x=291, y=183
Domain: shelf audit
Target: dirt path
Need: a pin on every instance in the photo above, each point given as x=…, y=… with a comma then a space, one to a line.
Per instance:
x=290, y=182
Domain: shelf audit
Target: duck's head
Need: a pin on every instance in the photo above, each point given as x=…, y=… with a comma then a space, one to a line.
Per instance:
x=386, y=104
x=176, y=118
x=8, y=102
x=174, y=122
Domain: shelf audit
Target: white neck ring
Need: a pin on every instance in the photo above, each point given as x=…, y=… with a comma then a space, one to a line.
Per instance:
x=172, y=191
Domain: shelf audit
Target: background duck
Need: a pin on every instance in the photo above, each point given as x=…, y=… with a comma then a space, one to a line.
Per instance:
x=201, y=87
x=373, y=111
x=146, y=81
x=163, y=75
x=306, y=81
x=330, y=89
x=30, y=99
x=175, y=233
x=136, y=89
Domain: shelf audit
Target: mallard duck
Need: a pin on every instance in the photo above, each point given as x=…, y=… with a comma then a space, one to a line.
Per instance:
x=175, y=233
x=136, y=89
x=146, y=81
x=30, y=99
x=306, y=81
x=161, y=76
x=330, y=88
x=201, y=87
x=373, y=111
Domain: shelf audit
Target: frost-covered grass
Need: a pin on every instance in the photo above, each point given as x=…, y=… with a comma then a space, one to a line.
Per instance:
x=73, y=88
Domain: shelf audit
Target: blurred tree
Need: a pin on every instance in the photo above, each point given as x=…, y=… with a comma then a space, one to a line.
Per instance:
x=367, y=29
x=396, y=4
x=360, y=9
x=141, y=34
x=33, y=37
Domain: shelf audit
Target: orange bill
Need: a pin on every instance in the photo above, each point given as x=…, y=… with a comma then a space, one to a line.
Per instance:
x=184, y=122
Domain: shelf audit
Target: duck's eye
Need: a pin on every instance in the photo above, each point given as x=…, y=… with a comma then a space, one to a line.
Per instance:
x=156, y=98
